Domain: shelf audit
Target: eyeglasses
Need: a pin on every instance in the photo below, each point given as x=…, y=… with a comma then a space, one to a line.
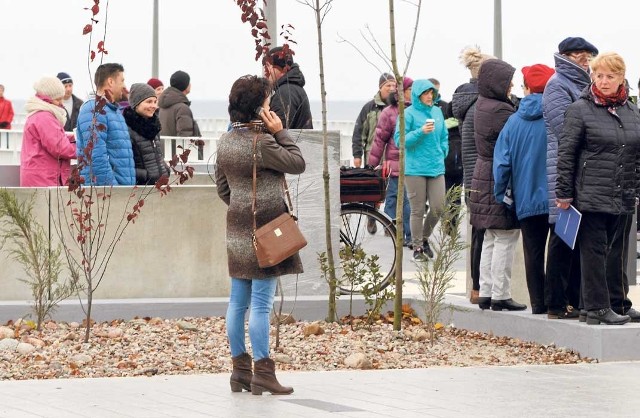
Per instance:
x=577, y=54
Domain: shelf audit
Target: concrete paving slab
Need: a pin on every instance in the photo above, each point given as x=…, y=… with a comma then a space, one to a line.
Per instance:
x=586, y=390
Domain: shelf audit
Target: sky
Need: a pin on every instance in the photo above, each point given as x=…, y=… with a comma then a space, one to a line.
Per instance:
x=207, y=39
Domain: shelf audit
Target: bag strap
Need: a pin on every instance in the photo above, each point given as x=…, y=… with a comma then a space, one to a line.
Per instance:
x=254, y=209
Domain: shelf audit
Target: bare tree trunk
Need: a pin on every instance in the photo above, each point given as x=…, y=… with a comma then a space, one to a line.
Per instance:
x=397, y=306
x=326, y=175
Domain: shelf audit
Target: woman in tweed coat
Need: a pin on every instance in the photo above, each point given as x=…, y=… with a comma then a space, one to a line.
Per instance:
x=251, y=285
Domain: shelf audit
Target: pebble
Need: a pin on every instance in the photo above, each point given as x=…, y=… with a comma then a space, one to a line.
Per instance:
x=358, y=361
x=8, y=344
x=25, y=348
x=81, y=359
x=187, y=326
x=6, y=332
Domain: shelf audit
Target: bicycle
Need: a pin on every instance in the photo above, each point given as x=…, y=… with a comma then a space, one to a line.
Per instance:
x=363, y=226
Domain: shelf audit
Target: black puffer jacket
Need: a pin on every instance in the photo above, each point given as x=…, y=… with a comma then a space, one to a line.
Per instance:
x=493, y=108
x=463, y=106
x=599, y=156
x=147, y=151
x=290, y=101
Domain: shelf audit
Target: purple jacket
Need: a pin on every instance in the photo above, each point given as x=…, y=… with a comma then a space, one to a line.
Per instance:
x=383, y=141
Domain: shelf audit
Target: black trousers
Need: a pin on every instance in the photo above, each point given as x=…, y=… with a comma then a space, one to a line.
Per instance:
x=603, y=249
x=563, y=278
x=534, y=241
x=477, y=238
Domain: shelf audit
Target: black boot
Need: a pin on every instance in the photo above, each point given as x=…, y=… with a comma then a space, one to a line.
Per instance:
x=264, y=379
x=606, y=316
x=507, y=304
x=484, y=303
x=631, y=313
x=241, y=375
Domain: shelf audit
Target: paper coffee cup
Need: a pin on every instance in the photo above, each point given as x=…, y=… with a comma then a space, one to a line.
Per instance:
x=430, y=121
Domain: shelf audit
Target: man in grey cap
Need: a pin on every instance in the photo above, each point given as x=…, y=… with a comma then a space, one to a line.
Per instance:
x=70, y=102
x=176, y=116
x=562, y=282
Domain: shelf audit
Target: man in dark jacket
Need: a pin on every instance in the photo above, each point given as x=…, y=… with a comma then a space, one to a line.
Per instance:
x=70, y=102
x=365, y=128
x=572, y=75
x=176, y=117
x=289, y=101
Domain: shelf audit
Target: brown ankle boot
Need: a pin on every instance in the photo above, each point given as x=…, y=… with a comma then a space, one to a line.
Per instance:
x=475, y=294
x=264, y=379
x=241, y=375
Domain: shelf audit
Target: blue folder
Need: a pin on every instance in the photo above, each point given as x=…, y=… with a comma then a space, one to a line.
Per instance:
x=568, y=224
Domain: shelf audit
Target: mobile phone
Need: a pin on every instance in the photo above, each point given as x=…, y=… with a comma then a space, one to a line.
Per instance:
x=259, y=110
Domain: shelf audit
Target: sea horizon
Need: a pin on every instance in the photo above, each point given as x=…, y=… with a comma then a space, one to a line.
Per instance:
x=337, y=110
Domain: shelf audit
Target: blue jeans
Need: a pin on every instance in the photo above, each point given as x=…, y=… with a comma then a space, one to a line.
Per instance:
x=259, y=294
x=390, y=203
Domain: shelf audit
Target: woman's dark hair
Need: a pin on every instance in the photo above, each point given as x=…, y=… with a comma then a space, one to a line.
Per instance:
x=247, y=94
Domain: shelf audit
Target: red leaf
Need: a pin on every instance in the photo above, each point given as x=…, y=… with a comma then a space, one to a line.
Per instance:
x=95, y=9
x=93, y=55
x=261, y=25
x=141, y=202
x=87, y=28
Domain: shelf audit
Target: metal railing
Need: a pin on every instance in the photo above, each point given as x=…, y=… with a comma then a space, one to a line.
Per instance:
x=211, y=128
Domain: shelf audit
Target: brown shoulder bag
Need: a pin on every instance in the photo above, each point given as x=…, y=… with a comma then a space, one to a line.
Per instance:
x=280, y=238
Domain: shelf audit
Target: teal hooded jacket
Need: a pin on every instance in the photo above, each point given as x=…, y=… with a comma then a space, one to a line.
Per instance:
x=425, y=153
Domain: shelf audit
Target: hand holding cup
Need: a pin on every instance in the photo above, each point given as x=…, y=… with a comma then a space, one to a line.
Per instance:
x=429, y=126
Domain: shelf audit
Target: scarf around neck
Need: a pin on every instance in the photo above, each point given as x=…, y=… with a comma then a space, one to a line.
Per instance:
x=39, y=103
x=147, y=127
x=610, y=102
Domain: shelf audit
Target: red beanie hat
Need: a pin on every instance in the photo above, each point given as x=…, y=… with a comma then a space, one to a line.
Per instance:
x=155, y=83
x=536, y=77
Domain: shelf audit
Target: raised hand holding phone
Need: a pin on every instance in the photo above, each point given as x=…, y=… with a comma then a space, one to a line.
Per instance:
x=271, y=121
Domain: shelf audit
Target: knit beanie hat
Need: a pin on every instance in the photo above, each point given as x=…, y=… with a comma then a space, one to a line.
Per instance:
x=139, y=93
x=406, y=82
x=155, y=83
x=180, y=80
x=50, y=87
x=385, y=78
x=65, y=78
x=536, y=77
x=472, y=58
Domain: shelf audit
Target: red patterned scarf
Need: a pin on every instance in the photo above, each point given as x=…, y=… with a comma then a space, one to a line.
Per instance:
x=610, y=102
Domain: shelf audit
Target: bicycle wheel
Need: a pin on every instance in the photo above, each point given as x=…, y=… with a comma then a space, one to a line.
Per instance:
x=364, y=228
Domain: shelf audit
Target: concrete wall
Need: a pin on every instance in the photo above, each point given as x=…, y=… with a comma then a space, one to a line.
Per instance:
x=177, y=247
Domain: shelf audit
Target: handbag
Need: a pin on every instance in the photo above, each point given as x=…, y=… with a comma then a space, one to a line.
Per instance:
x=280, y=238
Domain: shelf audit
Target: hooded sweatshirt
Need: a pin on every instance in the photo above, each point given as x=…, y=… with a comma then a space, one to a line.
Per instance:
x=425, y=153
x=290, y=101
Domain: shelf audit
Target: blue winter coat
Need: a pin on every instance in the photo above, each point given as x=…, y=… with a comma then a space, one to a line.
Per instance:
x=425, y=153
x=520, y=155
x=562, y=89
x=112, y=156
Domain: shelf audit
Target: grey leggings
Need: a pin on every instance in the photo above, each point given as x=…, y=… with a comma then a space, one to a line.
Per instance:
x=420, y=190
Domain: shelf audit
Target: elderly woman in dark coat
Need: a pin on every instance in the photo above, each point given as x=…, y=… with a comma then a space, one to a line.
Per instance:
x=493, y=108
x=144, y=130
x=598, y=159
x=251, y=285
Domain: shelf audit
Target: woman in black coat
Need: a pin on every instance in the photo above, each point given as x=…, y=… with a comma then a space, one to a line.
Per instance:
x=493, y=108
x=144, y=130
x=598, y=159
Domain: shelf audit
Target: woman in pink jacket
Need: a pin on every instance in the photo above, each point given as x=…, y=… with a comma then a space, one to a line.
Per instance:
x=45, y=159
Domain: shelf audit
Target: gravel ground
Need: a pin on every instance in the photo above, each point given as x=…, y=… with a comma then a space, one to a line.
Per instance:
x=148, y=346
